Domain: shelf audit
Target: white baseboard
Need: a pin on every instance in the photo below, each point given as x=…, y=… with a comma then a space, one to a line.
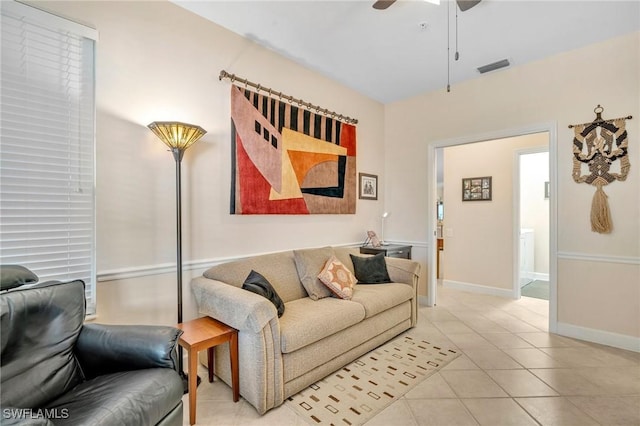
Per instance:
x=479, y=288
x=602, y=337
x=540, y=276
x=529, y=277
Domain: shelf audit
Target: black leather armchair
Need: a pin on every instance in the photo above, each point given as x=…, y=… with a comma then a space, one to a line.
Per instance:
x=57, y=370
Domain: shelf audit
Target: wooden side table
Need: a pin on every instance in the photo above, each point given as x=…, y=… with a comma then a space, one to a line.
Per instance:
x=390, y=250
x=206, y=333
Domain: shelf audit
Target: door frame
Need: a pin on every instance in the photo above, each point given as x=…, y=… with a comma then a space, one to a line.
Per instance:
x=551, y=128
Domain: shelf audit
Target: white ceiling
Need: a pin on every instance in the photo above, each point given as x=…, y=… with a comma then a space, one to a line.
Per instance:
x=387, y=56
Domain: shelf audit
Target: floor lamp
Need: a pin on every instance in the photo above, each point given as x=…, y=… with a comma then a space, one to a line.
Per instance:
x=178, y=137
x=384, y=216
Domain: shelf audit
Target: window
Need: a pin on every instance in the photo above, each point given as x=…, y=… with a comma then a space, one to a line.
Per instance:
x=47, y=133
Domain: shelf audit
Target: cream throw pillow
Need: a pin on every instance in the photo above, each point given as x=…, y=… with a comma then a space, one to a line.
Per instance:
x=338, y=278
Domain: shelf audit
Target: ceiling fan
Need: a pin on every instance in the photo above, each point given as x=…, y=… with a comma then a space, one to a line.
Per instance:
x=462, y=4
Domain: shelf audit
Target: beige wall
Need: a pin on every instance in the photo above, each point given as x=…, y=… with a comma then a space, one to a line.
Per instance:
x=157, y=61
x=563, y=89
x=611, y=289
x=478, y=235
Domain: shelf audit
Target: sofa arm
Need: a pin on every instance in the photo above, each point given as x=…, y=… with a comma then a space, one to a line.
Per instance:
x=103, y=349
x=238, y=308
x=403, y=270
x=258, y=325
x=406, y=271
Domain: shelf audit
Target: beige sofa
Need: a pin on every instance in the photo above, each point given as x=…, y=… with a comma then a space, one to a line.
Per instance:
x=278, y=357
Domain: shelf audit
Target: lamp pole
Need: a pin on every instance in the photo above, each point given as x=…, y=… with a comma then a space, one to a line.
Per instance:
x=384, y=216
x=178, y=137
x=177, y=155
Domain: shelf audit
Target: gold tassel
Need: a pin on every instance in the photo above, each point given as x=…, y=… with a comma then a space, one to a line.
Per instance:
x=600, y=213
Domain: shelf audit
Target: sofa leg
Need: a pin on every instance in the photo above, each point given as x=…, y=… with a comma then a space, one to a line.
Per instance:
x=235, y=374
x=211, y=362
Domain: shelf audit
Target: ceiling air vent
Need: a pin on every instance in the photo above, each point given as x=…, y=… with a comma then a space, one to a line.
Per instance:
x=494, y=66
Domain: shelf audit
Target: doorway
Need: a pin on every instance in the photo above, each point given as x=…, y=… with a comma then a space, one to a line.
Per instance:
x=432, y=223
x=532, y=193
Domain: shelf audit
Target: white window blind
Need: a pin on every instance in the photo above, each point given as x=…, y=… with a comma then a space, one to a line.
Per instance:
x=47, y=134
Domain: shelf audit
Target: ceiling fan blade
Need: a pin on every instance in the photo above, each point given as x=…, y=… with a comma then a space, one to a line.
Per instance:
x=466, y=4
x=383, y=4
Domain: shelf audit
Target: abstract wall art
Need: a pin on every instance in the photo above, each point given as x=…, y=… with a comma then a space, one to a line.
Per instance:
x=287, y=159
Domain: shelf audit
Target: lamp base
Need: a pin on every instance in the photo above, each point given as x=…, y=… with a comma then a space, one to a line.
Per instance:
x=185, y=382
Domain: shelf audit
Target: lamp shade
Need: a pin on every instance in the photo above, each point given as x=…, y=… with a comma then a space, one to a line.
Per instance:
x=177, y=135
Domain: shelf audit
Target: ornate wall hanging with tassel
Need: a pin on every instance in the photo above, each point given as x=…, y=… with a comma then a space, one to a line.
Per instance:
x=598, y=145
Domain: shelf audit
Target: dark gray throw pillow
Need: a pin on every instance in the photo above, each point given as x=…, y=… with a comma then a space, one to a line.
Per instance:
x=371, y=269
x=12, y=276
x=258, y=284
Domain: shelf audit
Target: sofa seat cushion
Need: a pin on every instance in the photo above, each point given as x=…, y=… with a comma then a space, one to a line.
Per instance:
x=306, y=321
x=141, y=397
x=380, y=297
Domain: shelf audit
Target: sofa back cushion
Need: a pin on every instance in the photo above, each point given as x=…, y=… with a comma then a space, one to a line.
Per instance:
x=278, y=268
x=39, y=329
x=344, y=255
x=309, y=263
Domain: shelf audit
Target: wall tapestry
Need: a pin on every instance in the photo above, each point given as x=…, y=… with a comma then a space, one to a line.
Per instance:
x=599, y=145
x=286, y=159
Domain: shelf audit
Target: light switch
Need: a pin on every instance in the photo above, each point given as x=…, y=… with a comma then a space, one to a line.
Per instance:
x=449, y=232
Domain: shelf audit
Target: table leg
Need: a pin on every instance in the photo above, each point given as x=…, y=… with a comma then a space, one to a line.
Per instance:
x=193, y=384
x=211, y=362
x=235, y=376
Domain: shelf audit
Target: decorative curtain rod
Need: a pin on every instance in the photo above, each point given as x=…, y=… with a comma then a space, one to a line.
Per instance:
x=628, y=117
x=598, y=111
x=291, y=99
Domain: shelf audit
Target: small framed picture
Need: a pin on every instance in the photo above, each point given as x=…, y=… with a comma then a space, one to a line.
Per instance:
x=368, y=186
x=476, y=189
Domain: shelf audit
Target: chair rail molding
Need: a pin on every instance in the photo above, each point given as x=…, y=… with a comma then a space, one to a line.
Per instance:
x=189, y=265
x=587, y=257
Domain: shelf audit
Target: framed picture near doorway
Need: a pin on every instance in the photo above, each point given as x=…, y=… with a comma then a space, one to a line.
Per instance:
x=476, y=189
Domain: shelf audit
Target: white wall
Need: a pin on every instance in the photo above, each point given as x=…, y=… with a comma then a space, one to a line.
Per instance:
x=563, y=89
x=534, y=208
x=156, y=61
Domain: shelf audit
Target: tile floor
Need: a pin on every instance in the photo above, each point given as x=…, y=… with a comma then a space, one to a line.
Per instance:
x=512, y=372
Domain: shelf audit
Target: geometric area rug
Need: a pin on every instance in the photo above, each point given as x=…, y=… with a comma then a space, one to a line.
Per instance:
x=360, y=390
